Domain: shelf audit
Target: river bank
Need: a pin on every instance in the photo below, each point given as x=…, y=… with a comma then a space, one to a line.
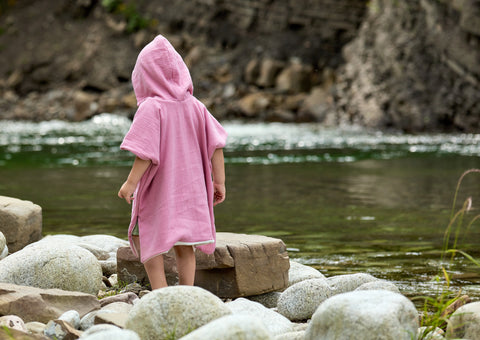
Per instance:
x=385, y=65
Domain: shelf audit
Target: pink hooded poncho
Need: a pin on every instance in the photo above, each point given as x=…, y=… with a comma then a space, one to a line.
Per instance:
x=173, y=202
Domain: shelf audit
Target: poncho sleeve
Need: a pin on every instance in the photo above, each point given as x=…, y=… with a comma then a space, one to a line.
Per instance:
x=216, y=134
x=143, y=137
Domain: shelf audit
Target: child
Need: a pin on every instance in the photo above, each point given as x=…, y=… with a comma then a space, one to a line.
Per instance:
x=178, y=147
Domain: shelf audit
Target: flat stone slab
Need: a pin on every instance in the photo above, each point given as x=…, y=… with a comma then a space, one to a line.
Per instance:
x=242, y=265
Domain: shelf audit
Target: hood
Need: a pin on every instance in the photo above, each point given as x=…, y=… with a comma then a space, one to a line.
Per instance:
x=160, y=72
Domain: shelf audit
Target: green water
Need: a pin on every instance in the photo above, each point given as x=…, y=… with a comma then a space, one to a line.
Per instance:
x=343, y=201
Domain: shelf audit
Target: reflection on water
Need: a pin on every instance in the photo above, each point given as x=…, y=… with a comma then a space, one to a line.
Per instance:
x=344, y=200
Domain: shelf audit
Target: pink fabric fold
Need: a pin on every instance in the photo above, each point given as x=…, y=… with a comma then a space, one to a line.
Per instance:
x=173, y=203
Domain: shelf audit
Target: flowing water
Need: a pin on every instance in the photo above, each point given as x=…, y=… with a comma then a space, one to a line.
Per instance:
x=343, y=200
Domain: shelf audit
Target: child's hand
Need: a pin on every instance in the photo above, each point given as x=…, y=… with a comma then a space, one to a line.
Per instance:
x=126, y=191
x=219, y=193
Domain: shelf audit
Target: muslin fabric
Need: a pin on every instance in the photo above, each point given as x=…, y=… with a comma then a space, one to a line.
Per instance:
x=173, y=202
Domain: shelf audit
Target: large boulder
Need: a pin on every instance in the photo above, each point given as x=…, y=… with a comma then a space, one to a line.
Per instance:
x=300, y=272
x=465, y=322
x=364, y=315
x=35, y=304
x=299, y=302
x=349, y=282
x=3, y=246
x=229, y=270
x=20, y=222
x=174, y=311
x=49, y=265
x=232, y=327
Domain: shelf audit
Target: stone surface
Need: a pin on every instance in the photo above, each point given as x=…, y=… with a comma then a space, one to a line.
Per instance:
x=20, y=222
x=130, y=298
x=109, y=332
x=274, y=322
x=13, y=321
x=35, y=304
x=349, y=282
x=300, y=272
x=232, y=327
x=297, y=335
x=3, y=246
x=364, y=315
x=228, y=271
x=465, y=322
x=295, y=78
x=61, y=330
x=72, y=317
x=300, y=301
x=35, y=327
x=269, y=300
x=10, y=334
x=174, y=310
x=379, y=285
x=49, y=265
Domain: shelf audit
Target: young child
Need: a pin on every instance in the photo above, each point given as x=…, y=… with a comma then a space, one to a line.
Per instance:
x=178, y=174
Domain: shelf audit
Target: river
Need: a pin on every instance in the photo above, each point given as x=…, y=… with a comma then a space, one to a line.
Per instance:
x=343, y=200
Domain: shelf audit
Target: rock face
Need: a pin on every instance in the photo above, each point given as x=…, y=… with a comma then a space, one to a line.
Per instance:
x=48, y=265
x=229, y=270
x=35, y=304
x=20, y=222
x=414, y=66
x=364, y=315
x=465, y=322
x=174, y=311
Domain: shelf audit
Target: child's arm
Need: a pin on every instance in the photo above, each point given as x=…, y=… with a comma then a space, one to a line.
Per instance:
x=128, y=188
x=218, y=174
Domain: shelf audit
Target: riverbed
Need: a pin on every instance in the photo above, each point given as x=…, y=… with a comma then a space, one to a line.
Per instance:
x=343, y=200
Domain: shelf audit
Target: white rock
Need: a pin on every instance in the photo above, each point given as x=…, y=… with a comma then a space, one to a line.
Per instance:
x=4, y=253
x=269, y=300
x=426, y=333
x=297, y=335
x=379, y=285
x=72, y=317
x=300, y=301
x=117, y=334
x=62, y=266
x=300, y=272
x=88, y=320
x=174, y=310
x=274, y=322
x=108, y=243
x=364, y=315
x=465, y=322
x=231, y=327
x=13, y=321
x=3, y=246
x=349, y=282
x=118, y=307
x=35, y=327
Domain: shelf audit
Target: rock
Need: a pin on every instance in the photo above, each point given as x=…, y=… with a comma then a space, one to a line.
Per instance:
x=109, y=266
x=349, y=282
x=35, y=327
x=269, y=69
x=111, y=318
x=174, y=310
x=108, y=332
x=297, y=335
x=13, y=321
x=252, y=71
x=61, y=330
x=72, y=317
x=299, y=272
x=465, y=322
x=426, y=333
x=364, y=315
x=114, y=313
x=379, y=285
x=299, y=302
x=269, y=300
x=35, y=304
x=85, y=105
x=232, y=327
x=227, y=272
x=274, y=322
x=108, y=243
x=3, y=246
x=10, y=334
x=254, y=104
x=295, y=78
x=20, y=222
x=261, y=257
x=62, y=266
x=470, y=18
x=130, y=298
x=316, y=106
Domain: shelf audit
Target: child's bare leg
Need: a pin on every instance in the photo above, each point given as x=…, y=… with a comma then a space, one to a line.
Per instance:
x=156, y=272
x=185, y=256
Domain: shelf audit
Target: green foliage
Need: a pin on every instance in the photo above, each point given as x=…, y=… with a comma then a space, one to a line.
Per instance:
x=129, y=11
x=435, y=313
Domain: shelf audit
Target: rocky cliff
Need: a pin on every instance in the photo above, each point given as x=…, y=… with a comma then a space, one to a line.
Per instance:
x=411, y=65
